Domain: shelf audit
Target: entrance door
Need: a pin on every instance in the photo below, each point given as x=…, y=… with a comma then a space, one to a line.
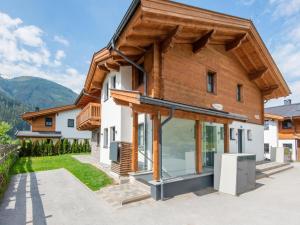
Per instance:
x=240, y=141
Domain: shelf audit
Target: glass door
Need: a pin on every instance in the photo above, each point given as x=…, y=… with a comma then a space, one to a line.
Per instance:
x=213, y=141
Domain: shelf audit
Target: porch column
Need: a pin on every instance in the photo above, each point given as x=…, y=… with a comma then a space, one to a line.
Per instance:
x=226, y=138
x=156, y=169
x=134, y=153
x=198, y=134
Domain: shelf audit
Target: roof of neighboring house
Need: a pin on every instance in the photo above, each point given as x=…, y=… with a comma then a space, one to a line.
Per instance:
x=291, y=110
x=149, y=21
x=37, y=134
x=30, y=115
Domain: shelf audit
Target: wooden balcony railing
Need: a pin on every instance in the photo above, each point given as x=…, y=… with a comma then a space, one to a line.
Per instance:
x=89, y=117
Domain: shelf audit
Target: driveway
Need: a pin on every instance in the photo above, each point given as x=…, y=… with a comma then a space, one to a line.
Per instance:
x=57, y=197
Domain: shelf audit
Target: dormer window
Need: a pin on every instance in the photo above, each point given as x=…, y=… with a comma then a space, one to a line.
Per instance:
x=287, y=124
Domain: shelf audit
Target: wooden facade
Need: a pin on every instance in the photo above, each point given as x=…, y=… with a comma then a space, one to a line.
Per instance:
x=38, y=123
x=178, y=45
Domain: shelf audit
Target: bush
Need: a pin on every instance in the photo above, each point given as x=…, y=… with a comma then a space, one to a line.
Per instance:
x=44, y=148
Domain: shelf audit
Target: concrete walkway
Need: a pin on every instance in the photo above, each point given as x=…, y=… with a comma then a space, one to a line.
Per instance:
x=57, y=197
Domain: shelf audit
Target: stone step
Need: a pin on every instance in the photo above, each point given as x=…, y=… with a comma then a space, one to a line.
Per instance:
x=268, y=173
x=269, y=166
x=136, y=198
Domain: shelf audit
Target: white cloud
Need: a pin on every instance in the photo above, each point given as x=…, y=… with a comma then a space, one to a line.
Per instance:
x=24, y=52
x=29, y=35
x=61, y=40
x=285, y=7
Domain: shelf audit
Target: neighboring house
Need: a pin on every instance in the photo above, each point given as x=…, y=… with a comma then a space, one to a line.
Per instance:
x=53, y=123
x=174, y=86
x=282, y=128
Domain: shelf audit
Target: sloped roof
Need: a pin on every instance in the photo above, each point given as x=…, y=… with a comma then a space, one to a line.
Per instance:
x=30, y=115
x=163, y=21
x=292, y=110
x=38, y=134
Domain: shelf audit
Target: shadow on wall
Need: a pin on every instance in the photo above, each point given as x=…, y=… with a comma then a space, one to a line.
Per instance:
x=22, y=203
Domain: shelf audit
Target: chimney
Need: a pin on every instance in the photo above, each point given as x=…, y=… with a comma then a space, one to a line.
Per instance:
x=288, y=102
x=37, y=109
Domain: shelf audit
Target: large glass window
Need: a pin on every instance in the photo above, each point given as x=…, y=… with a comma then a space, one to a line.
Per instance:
x=213, y=142
x=178, y=148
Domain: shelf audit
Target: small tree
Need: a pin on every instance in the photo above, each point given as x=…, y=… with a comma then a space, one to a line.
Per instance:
x=65, y=146
x=4, y=128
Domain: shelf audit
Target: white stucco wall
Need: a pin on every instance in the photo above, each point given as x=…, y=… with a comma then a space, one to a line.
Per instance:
x=61, y=122
x=271, y=135
x=254, y=146
x=113, y=115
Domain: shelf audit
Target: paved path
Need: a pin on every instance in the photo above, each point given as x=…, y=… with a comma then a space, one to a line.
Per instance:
x=56, y=197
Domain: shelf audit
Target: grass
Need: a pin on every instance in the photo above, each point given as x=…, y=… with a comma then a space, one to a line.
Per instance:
x=86, y=173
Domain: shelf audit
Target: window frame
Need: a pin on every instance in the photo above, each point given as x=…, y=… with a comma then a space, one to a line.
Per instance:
x=106, y=91
x=239, y=93
x=113, y=82
x=105, y=138
x=268, y=144
x=48, y=118
x=212, y=74
x=232, y=134
x=68, y=123
x=287, y=128
x=249, y=135
x=112, y=134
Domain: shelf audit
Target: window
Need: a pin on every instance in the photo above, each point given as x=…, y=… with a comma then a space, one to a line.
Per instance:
x=290, y=146
x=106, y=91
x=267, y=125
x=239, y=94
x=211, y=82
x=112, y=134
x=232, y=135
x=287, y=124
x=48, y=122
x=140, y=76
x=113, y=82
x=267, y=148
x=249, y=135
x=141, y=135
x=222, y=133
x=71, y=122
x=98, y=138
x=105, y=134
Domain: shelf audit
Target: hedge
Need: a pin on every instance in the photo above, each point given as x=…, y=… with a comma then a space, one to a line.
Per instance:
x=48, y=148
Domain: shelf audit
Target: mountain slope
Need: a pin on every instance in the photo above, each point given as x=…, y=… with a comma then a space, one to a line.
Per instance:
x=37, y=92
x=23, y=94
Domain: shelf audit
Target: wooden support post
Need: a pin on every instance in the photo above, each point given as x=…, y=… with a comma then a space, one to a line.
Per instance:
x=156, y=169
x=226, y=138
x=198, y=136
x=156, y=70
x=134, y=155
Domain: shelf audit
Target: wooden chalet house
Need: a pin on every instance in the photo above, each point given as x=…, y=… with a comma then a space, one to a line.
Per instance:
x=175, y=85
x=53, y=124
x=282, y=128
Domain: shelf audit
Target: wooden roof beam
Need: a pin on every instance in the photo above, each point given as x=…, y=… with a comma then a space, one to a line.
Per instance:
x=258, y=74
x=270, y=90
x=103, y=68
x=169, y=42
x=202, y=42
x=111, y=66
x=236, y=43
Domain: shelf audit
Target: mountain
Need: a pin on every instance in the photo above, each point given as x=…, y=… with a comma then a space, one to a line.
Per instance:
x=23, y=94
x=37, y=92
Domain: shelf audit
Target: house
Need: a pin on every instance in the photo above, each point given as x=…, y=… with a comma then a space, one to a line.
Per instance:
x=175, y=85
x=53, y=123
x=282, y=128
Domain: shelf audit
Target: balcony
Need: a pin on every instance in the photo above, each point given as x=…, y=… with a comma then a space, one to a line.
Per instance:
x=89, y=117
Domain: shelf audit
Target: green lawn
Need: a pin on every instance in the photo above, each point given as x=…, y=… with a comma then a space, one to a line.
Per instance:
x=86, y=173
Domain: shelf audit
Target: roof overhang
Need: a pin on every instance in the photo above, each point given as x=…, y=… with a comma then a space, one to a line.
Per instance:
x=145, y=104
x=49, y=111
x=169, y=23
x=273, y=116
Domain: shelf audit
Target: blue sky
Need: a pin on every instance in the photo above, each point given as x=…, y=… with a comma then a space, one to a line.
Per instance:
x=56, y=39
